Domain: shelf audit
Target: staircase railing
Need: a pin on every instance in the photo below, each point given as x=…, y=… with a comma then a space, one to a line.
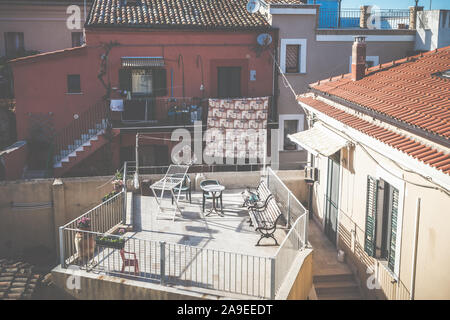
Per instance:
x=88, y=124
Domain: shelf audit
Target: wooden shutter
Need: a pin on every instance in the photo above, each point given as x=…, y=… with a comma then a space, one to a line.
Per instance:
x=125, y=79
x=393, y=240
x=371, y=211
x=292, y=58
x=159, y=82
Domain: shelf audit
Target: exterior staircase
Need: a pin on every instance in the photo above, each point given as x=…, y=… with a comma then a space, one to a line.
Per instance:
x=332, y=279
x=81, y=138
x=339, y=286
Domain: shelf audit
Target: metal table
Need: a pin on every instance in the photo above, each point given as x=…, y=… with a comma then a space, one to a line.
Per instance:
x=215, y=190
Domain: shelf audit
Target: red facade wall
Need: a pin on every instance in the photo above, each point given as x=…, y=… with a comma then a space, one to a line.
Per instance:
x=41, y=81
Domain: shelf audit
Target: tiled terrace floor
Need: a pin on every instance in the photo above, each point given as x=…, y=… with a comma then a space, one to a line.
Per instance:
x=230, y=232
x=215, y=253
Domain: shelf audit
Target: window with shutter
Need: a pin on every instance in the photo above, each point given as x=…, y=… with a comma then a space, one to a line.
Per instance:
x=14, y=43
x=77, y=39
x=393, y=231
x=159, y=82
x=125, y=79
x=73, y=83
x=371, y=211
x=292, y=58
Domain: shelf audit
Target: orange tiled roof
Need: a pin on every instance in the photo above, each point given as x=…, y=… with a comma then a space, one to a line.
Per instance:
x=223, y=14
x=417, y=150
x=407, y=90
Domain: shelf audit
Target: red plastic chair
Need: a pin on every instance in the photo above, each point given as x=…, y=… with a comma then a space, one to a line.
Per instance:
x=129, y=262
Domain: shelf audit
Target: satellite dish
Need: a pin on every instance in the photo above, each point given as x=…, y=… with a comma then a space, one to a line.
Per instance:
x=264, y=39
x=253, y=6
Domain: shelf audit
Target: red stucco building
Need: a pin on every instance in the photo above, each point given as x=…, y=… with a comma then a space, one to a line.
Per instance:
x=157, y=61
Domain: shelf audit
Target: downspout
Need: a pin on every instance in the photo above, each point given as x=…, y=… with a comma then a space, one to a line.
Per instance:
x=275, y=79
x=136, y=173
x=414, y=259
x=180, y=59
x=199, y=62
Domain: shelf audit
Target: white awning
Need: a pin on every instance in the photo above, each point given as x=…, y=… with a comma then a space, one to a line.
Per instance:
x=132, y=62
x=319, y=140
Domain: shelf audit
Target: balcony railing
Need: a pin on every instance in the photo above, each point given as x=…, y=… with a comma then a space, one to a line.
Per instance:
x=184, y=265
x=195, y=168
x=356, y=18
x=166, y=112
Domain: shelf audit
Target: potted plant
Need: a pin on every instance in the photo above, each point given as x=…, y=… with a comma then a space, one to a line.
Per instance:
x=84, y=241
x=111, y=241
x=117, y=186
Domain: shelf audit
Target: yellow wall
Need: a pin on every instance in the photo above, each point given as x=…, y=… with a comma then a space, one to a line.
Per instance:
x=44, y=27
x=433, y=259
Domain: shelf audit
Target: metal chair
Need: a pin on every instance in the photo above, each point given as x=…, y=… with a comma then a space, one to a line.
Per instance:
x=186, y=187
x=208, y=195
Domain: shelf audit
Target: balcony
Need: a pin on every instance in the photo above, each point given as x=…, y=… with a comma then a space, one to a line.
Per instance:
x=195, y=255
x=165, y=112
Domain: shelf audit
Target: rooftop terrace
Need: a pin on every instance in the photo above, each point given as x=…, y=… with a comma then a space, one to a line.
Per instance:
x=214, y=255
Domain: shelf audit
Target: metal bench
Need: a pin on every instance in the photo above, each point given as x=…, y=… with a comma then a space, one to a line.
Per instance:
x=262, y=192
x=265, y=217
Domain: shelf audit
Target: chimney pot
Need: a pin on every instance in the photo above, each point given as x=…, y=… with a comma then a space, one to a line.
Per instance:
x=359, y=58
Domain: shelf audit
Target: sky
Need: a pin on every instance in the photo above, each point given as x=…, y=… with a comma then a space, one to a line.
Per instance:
x=397, y=4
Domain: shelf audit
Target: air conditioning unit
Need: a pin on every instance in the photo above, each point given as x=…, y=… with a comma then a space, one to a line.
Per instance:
x=311, y=174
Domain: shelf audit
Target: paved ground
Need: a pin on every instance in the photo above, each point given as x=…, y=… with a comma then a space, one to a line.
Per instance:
x=211, y=252
x=230, y=232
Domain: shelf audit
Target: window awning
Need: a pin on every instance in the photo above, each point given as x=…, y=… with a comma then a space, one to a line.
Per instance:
x=132, y=62
x=319, y=140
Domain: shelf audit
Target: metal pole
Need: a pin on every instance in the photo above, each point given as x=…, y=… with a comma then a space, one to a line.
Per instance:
x=136, y=174
x=416, y=240
x=306, y=228
x=162, y=254
x=61, y=247
x=125, y=192
x=272, y=278
x=288, y=224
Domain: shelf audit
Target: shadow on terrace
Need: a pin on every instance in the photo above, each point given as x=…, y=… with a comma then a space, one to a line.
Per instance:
x=214, y=254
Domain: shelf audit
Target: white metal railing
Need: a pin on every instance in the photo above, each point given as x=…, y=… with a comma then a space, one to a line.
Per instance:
x=289, y=205
x=103, y=218
x=171, y=263
x=296, y=217
x=295, y=240
x=184, y=265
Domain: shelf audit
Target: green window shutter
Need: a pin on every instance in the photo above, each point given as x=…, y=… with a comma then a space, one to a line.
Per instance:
x=159, y=82
x=125, y=79
x=393, y=240
x=371, y=213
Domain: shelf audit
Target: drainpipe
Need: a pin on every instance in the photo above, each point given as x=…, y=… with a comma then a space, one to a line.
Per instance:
x=414, y=259
x=136, y=174
x=181, y=63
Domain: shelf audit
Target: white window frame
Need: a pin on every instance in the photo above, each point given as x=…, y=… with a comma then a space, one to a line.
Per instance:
x=302, y=54
x=392, y=177
x=374, y=59
x=300, y=127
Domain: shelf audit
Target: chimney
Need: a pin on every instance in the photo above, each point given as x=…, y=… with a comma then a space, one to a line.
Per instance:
x=359, y=58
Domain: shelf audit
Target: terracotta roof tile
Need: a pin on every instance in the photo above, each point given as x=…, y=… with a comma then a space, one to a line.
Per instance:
x=409, y=91
x=224, y=14
x=432, y=157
